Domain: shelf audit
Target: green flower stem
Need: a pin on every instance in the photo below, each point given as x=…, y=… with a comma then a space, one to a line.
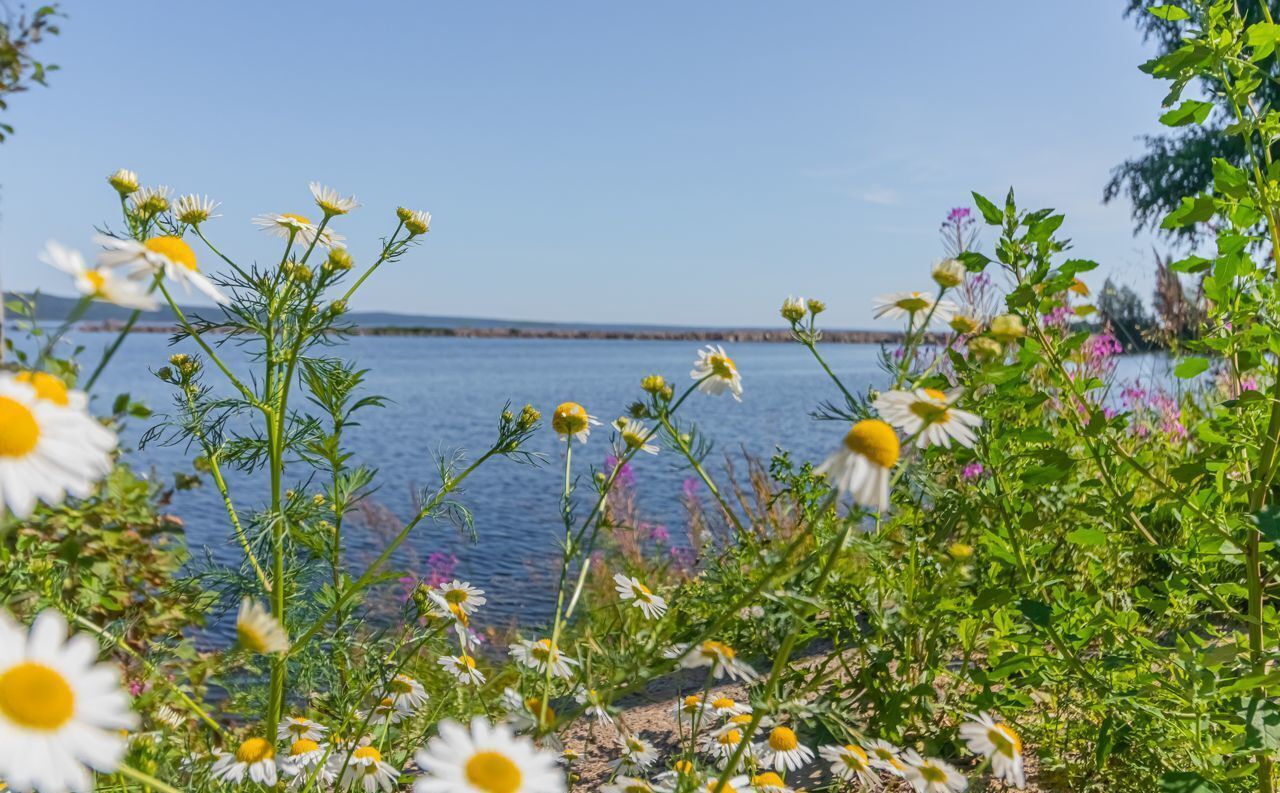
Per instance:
x=706, y=479
x=386, y=253
x=213, y=356
x=147, y=780
x=371, y=572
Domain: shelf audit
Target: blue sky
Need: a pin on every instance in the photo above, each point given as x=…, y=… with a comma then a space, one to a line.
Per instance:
x=666, y=162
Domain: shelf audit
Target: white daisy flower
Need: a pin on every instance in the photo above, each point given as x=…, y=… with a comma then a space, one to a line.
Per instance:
x=169, y=255
x=298, y=228
x=416, y=221
x=717, y=372
x=721, y=657
x=597, y=708
x=633, y=434
x=194, y=210
x=688, y=708
x=124, y=181
x=255, y=760
x=783, y=751
x=463, y=595
x=463, y=667
x=572, y=420
x=862, y=465
x=102, y=283
x=150, y=200
x=637, y=753
x=537, y=655
x=769, y=782
x=916, y=305
x=850, y=763
x=330, y=202
x=999, y=743
x=305, y=758
x=721, y=744
x=630, y=588
x=526, y=713
x=293, y=728
x=49, y=446
x=386, y=712
x=170, y=717
x=628, y=784
x=726, y=708
x=485, y=759
x=927, y=413
x=931, y=775
x=885, y=756
x=61, y=712
x=407, y=693
x=367, y=771
x=258, y=631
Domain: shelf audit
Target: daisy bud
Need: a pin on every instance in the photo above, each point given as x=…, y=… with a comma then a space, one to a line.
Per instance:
x=948, y=273
x=985, y=349
x=1007, y=327
x=960, y=551
x=816, y=307
x=653, y=384
x=963, y=323
x=338, y=307
x=667, y=394
x=404, y=214
x=339, y=259
x=637, y=410
x=124, y=181
x=793, y=309
x=528, y=417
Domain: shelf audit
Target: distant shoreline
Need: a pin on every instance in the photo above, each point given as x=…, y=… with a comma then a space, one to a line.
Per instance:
x=770, y=335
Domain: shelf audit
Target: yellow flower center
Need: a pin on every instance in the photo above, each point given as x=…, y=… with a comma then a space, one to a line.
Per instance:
x=886, y=756
x=96, y=279
x=1005, y=740
x=297, y=220
x=855, y=758
x=456, y=596
x=767, y=779
x=723, y=703
x=19, y=431
x=633, y=438
x=467, y=661
x=730, y=738
x=782, y=739
x=174, y=249
x=916, y=302
x=299, y=726
x=251, y=638
x=641, y=591
x=47, y=386
x=931, y=773
x=932, y=411
x=401, y=685
x=302, y=746
x=541, y=649
x=722, y=366
x=367, y=753
x=742, y=718
x=535, y=706
x=691, y=703
x=570, y=418
x=255, y=750
x=718, y=650
x=874, y=440
x=493, y=772
x=683, y=767
x=36, y=697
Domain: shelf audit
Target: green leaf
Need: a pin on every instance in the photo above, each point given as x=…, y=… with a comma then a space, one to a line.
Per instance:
x=1261, y=724
x=1262, y=38
x=1186, y=782
x=990, y=212
x=1087, y=537
x=1191, y=111
x=1039, y=612
x=1168, y=13
x=1189, y=212
x=974, y=262
x=1191, y=264
x=1191, y=367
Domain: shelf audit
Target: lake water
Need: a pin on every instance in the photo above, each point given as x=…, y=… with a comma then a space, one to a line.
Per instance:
x=446, y=394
